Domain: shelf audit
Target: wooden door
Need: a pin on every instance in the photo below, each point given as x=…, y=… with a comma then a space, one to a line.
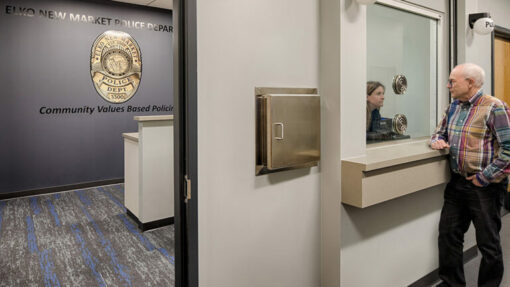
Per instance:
x=502, y=74
x=502, y=69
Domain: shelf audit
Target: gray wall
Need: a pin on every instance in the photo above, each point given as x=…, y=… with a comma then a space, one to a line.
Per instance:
x=45, y=63
x=253, y=230
x=395, y=240
x=499, y=11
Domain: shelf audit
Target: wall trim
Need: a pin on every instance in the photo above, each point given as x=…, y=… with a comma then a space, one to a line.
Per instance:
x=151, y=224
x=502, y=32
x=53, y=189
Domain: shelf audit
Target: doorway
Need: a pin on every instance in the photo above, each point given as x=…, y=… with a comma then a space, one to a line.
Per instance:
x=185, y=143
x=502, y=69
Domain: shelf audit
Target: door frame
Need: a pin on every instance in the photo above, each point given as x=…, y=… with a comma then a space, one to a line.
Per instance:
x=185, y=143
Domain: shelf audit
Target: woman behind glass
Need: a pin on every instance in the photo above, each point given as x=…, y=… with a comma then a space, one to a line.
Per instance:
x=375, y=100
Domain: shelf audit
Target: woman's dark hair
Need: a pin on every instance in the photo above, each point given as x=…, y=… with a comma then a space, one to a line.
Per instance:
x=372, y=85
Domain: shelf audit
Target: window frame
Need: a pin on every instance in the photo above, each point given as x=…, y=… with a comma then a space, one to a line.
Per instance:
x=442, y=53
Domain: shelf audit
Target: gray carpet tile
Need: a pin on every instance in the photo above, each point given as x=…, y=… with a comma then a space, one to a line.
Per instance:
x=81, y=238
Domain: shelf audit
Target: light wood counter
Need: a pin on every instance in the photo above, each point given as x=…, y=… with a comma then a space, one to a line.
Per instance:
x=390, y=170
x=382, y=156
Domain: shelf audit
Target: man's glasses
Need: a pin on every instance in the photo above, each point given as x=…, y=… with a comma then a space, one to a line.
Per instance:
x=452, y=82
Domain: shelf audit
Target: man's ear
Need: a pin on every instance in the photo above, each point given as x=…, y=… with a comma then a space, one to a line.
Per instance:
x=471, y=82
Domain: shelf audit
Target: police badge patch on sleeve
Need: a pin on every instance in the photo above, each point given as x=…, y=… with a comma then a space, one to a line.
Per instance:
x=116, y=66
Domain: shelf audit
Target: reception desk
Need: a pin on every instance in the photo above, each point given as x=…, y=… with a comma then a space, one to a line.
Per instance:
x=149, y=172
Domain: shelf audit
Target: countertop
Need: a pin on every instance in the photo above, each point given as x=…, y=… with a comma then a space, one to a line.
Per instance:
x=389, y=154
x=154, y=118
x=131, y=136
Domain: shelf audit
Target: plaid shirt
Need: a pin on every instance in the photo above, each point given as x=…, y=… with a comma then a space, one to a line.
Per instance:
x=478, y=132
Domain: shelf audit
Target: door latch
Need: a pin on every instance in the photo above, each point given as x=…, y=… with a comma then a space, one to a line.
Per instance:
x=187, y=193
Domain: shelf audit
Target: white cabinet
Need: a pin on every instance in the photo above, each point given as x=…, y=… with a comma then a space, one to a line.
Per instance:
x=149, y=172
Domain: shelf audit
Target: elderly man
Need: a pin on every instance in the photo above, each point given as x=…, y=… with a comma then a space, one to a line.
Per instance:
x=476, y=129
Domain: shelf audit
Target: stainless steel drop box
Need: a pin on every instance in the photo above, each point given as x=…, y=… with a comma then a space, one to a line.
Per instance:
x=287, y=129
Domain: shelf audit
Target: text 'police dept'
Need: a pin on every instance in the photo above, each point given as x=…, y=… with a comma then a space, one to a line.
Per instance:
x=84, y=18
x=104, y=109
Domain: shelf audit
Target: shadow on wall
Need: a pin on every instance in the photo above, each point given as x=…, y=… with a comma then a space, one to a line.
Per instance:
x=283, y=176
x=361, y=224
x=352, y=10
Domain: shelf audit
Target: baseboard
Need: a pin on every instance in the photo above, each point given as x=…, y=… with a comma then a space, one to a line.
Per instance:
x=152, y=224
x=433, y=277
x=53, y=189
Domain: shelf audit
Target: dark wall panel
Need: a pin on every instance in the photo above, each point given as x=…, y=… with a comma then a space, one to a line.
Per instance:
x=45, y=62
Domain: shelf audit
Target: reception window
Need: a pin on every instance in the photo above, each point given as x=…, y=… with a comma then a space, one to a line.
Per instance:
x=402, y=55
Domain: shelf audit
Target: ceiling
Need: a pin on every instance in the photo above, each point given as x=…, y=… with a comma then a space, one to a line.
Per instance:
x=165, y=4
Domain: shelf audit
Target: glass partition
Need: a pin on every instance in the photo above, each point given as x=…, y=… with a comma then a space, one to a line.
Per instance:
x=402, y=43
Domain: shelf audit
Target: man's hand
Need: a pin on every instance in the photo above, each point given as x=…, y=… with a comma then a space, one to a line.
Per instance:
x=439, y=144
x=474, y=180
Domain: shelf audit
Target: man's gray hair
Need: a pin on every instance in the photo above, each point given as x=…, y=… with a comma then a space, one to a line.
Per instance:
x=474, y=72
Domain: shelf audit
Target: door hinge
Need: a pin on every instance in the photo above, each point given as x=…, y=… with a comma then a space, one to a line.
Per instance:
x=187, y=193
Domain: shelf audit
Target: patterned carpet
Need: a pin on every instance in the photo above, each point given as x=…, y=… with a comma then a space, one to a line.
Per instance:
x=81, y=238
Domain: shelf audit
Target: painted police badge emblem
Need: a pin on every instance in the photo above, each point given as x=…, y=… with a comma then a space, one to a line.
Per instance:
x=116, y=66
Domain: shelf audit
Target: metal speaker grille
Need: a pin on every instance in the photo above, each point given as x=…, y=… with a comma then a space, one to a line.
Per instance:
x=399, y=84
x=399, y=124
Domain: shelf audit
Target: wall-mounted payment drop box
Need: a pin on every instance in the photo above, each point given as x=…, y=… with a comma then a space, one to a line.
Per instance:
x=287, y=129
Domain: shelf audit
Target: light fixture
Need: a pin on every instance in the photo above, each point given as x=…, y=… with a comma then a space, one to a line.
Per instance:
x=366, y=2
x=481, y=23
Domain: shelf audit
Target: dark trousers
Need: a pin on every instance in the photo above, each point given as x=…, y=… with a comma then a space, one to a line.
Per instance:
x=465, y=203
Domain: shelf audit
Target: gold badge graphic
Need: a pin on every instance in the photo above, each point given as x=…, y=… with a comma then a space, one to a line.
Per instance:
x=116, y=66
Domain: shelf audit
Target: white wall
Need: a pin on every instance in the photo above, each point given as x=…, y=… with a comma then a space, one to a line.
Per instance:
x=498, y=9
x=395, y=241
x=472, y=47
x=477, y=48
x=264, y=230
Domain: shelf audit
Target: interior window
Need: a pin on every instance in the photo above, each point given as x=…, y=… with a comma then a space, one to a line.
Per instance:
x=402, y=62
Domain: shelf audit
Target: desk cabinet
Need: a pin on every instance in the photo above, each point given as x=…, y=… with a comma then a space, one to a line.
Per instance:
x=148, y=172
